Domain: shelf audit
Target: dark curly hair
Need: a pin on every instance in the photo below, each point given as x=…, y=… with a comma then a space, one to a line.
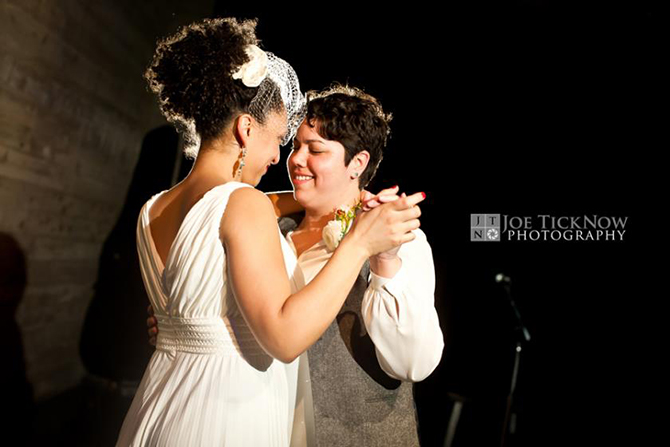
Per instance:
x=191, y=73
x=355, y=119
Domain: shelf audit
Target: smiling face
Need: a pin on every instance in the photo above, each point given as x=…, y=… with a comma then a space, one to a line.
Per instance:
x=321, y=181
x=263, y=147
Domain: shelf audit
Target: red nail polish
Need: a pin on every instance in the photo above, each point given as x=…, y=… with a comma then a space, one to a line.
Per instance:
x=394, y=187
x=423, y=194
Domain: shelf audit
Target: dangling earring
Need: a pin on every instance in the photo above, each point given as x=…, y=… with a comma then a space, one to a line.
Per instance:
x=241, y=163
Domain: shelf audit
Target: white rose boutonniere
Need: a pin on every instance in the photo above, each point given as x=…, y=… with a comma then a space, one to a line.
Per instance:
x=253, y=72
x=336, y=229
x=332, y=234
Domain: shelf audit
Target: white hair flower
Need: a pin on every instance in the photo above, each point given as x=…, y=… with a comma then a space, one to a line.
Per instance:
x=253, y=72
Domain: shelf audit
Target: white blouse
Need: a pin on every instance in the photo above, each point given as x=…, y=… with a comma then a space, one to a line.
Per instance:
x=399, y=315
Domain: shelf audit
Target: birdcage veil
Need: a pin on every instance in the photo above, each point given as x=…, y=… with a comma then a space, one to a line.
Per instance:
x=280, y=76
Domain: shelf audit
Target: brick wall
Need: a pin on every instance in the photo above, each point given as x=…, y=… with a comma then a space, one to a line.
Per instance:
x=73, y=111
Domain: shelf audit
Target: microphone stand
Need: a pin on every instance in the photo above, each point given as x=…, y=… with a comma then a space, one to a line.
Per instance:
x=522, y=335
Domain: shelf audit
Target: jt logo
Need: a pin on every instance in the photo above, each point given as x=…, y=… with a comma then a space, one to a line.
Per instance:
x=485, y=227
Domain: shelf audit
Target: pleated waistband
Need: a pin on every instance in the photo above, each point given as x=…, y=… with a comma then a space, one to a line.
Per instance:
x=204, y=335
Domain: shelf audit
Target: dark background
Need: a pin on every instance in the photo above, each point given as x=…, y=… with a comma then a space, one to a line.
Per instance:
x=522, y=108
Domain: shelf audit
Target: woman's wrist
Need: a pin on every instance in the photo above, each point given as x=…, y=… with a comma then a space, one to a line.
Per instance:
x=385, y=265
x=354, y=248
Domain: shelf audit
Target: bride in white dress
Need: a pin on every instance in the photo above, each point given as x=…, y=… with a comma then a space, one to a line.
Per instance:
x=216, y=269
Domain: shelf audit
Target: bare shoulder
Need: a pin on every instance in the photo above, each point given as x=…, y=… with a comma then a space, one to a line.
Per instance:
x=247, y=206
x=246, y=196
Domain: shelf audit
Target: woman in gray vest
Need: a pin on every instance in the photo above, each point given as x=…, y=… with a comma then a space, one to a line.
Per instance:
x=355, y=381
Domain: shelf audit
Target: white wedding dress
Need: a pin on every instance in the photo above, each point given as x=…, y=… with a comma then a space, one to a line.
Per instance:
x=209, y=383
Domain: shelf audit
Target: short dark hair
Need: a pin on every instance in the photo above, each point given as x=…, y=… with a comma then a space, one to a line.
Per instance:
x=353, y=118
x=191, y=75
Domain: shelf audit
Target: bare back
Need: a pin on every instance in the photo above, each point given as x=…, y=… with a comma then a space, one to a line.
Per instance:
x=169, y=211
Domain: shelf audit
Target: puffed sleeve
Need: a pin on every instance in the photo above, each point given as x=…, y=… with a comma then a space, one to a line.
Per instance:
x=400, y=316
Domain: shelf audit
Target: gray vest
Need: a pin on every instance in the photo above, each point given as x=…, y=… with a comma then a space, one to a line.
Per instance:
x=355, y=402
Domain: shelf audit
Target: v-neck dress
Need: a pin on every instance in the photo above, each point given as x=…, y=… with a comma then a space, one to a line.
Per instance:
x=209, y=382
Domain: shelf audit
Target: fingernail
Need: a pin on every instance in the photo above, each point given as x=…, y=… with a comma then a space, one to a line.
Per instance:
x=423, y=194
x=395, y=187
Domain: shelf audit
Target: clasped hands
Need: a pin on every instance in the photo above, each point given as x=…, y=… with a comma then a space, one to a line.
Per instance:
x=388, y=263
